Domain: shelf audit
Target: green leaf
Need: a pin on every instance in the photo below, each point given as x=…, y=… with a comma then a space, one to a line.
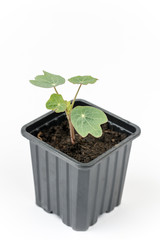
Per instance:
x=88, y=120
x=56, y=103
x=82, y=80
x=47, y=80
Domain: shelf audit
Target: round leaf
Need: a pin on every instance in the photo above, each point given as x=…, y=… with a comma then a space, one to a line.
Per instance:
x=47, y=80
x=87, y=120
x=82, y=80
x=56, y=103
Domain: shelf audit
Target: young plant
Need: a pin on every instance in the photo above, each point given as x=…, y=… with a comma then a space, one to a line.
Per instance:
x=84, y=119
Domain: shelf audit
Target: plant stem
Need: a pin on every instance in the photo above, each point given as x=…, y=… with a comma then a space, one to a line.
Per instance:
x=55, y=90
x=71, y=129
x=76, y=96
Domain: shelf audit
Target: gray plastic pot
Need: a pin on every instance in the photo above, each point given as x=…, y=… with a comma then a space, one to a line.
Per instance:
x=78, y=192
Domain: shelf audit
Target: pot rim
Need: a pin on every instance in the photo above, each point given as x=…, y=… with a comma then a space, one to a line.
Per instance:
x=134, y=133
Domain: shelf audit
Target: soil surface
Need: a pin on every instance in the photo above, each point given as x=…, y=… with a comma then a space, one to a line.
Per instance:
x=85, y=149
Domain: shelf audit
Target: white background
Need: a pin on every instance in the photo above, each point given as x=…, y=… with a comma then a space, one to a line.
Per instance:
x=115, y=41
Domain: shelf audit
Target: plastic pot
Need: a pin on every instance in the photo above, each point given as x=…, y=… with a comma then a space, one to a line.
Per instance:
x=78, y=192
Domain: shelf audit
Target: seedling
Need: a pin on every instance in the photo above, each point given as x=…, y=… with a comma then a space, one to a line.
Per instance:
x=84, y=119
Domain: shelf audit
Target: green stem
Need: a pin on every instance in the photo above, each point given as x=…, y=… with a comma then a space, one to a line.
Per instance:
x=71, y=129
x=68, y=113
x=76, y=96
x=55, y=90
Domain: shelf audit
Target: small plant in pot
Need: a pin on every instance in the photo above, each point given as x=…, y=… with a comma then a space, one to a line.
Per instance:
x=79, y=155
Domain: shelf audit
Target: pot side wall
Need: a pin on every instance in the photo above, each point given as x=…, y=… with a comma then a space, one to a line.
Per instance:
x=78, y=195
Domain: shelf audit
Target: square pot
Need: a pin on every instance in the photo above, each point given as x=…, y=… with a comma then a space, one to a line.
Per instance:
x=78, y=192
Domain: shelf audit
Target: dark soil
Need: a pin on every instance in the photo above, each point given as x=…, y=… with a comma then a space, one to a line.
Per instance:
x=85, y=149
